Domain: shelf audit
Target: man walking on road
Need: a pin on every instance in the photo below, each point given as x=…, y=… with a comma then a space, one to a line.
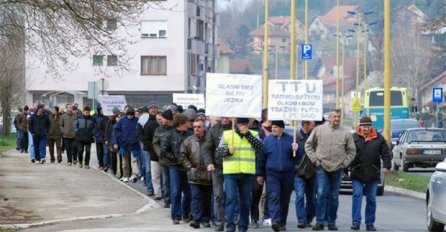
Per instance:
x=276, y=163
x=200, y=180
x=331, y=148
x=371, y=147
x=39, y=126
x=84, y=129
x=238, y=149
x=67, y=127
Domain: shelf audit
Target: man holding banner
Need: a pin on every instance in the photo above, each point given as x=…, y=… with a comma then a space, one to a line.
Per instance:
x=238, y=149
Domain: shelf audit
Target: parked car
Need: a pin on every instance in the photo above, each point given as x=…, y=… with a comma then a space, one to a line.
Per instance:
x=419, y=147
x=436, y=199
x=346, y=183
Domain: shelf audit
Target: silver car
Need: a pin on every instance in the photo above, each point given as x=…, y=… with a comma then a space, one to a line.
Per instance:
x=419, y=147
x=436, y=199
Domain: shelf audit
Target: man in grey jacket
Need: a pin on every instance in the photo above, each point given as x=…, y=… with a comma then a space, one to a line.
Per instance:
x=331, y=148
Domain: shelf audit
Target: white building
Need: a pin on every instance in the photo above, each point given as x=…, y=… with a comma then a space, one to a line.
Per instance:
x=173, y=51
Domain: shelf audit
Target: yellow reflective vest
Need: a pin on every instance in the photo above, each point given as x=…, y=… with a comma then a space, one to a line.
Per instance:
x=243, y=161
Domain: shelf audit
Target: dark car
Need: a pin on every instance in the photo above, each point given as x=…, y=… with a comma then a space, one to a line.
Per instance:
x=419, y=147
x=436, y=199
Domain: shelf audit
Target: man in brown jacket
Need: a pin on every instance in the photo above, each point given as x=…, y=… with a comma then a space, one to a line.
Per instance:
x=192, y=157
x=331, y=148
x=55, y=135
x=67, y=127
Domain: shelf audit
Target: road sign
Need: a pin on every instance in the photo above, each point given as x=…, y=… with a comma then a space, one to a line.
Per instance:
x=307, y=51
x=102, y=85
x=356, y=105
x=437, y=95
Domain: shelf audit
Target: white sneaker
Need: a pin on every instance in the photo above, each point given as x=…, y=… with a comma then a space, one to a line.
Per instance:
x=42, y=161
x=267, y=222
x=125, y=179
x=142, y=178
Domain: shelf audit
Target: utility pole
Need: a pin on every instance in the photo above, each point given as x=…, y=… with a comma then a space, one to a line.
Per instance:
x=387, y=70
x=265, y=57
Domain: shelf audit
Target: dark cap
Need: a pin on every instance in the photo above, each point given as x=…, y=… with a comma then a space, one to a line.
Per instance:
x=366, y=120
x=40, y=106
x=167, y=114
x=242, y=120
x=201, y=111
x=152, y=104
x=278, y=123
x=130, y=111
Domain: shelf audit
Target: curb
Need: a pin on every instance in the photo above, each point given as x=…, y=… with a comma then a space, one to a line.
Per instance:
x=151, y=204
x=405, y=192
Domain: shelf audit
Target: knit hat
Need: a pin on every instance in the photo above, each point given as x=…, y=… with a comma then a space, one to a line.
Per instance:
x=192, y=107
x=152, y=104
x=278, y=123
x=190, y=114
x=366, y=120
x=39, y=106
x=180, y=109
x=130, y=111
x=201, y=111
x=167, y=114
x=242, y=120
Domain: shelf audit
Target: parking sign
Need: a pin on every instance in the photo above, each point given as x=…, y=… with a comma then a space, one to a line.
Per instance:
x=307, y=51
x=437, y=95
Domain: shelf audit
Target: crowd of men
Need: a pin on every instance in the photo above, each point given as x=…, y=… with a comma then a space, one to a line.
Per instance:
x=228, y=172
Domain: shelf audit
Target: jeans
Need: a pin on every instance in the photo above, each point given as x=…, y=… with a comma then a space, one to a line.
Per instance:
x=100, y=153
x=18, y=138
x=238, y=185
x=106, y=159
x=165, y=183
x=146, y=171
x=80, y=150
x=327, y=194
x=279, y=187
x=71, y=150
x=179, y=194
x=31, y=146
x=39, y=146
x=305, y=199
x=217, y=188
x=369, y=189
x=201, y=202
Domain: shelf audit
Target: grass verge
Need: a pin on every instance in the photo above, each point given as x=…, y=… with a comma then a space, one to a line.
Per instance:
x=407, y=181
x=7, y=143
x=7, y=230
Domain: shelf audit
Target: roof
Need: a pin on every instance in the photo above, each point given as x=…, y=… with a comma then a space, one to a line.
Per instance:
x=441, y=77
x=273, y=31
x=224, y=47
x=240, y=66
x=280, y=19
x=329, y=19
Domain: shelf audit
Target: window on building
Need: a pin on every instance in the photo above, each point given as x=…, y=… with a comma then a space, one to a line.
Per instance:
x=200, y=30
x=193, y=64
x=112, y=60
x=154, y=29
x=112, y=24
x=284, y=40
x=98, y=60
x=153, y=65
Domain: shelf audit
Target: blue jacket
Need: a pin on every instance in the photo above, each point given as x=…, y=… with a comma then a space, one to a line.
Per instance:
x=277, y=155
x=125, y=133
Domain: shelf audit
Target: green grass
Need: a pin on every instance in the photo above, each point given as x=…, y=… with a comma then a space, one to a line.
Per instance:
x=407, y=181
x=7, y=230
x=7, y=143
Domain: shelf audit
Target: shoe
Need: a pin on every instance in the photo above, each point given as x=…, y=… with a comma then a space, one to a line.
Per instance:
x=220, y=227
x=355, y=226
x=370, y=228
x=105, y=169
x=75, y=162
x=195, y=224
x=69, y=164
x=87, y=167
x=59, y=161
x=275, y=226
x=42, y=161
x=158, y=198
x=166, y=205
x=267, y=222
x=255, y=225
x=21, y=151
x=282, y=228
x=176, y=221
x=308, y=225
x=206, y=224
x=80, y=165
x=142, y=178
x=33, y=161
x=230, y=230
x=133, y=179
x=150, y=194
x=332, y=227
x=301, y=225
x=125, y=179
x=52, y=161
x=186, y=219
x=318, y=227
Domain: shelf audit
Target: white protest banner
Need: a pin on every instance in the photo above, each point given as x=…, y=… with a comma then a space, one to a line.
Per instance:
x=110, y=102
x=233, y=95
x=186, y=100
x=295, y=100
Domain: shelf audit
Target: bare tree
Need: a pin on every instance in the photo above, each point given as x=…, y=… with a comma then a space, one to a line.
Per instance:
x=411, y=56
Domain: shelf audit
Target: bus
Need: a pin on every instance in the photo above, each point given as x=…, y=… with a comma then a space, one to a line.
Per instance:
x=374, y=105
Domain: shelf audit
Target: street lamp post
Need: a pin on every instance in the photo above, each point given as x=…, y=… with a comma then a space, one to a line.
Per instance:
x=265, y=57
